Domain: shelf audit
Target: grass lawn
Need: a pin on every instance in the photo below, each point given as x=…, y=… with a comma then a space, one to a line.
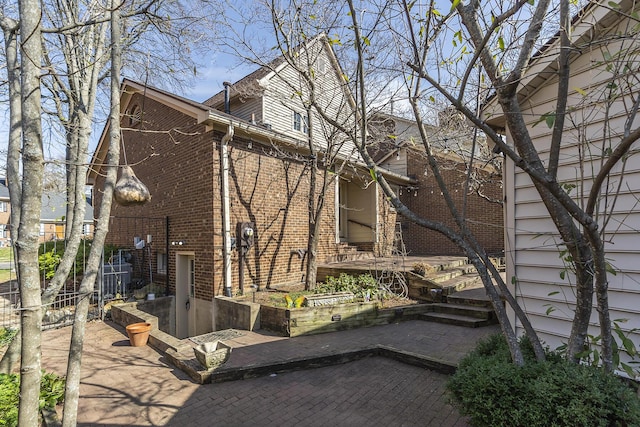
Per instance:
x=6, y=275
x=6, y=254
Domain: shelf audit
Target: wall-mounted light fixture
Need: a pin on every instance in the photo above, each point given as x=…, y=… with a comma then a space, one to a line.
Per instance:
x=177, y=243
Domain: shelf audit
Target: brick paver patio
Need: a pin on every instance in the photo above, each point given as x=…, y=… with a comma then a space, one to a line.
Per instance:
x=135, y=386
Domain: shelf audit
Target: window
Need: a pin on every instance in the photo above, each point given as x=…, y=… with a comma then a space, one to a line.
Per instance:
x=3, y=206
x=135, y=115
x=3, y=231
x=86, y=229
x=192, y=278
x=41, y=229
x=322, y=66
x=300, y=122
x=162, y=263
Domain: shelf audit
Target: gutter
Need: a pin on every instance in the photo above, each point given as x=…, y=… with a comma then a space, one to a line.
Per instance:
x=226, y=215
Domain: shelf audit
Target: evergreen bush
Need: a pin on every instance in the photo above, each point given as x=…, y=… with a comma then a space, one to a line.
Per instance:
x=494, y=392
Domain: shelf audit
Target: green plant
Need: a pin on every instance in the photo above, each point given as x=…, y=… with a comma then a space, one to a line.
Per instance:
x=51, y=393
x=493, y=391
x=52, y=252
x=591, y=354
x=6, y=335
x=361, y=286
x=51, y=390
x=9, y=398
x=48, y=263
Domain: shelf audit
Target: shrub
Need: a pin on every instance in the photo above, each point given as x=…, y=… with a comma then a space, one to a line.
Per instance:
x=493, y=391
x=51, y=253
x=360, y=286
x=6, y=335
x=51, y=393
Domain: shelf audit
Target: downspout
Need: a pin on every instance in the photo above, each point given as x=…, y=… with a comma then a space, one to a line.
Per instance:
x=226, y=215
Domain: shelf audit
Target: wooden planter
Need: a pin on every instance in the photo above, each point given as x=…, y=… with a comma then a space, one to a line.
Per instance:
x=293, y=322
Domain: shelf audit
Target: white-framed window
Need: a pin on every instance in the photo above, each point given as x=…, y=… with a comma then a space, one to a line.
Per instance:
x=3, y=231
x=3, y=207
x=300, y=122
x=42, y=229
x=322, y=66
x=86, y=229
x=161, y=261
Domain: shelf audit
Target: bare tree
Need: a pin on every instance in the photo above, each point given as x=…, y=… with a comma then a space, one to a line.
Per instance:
x=303, y=46
x=502, y=38
x=30, y=203
x=70, y=41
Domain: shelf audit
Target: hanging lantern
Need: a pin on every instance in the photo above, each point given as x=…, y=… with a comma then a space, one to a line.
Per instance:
x=130, y=190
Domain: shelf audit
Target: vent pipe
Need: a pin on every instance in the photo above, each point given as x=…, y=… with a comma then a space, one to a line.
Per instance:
x=227, y=89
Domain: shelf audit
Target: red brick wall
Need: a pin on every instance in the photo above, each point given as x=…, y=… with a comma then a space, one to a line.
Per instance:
x=484, y=217
x=181, y=168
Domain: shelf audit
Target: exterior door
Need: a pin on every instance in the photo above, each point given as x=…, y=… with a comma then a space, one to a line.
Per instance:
x=343, y=224
x=185, y=295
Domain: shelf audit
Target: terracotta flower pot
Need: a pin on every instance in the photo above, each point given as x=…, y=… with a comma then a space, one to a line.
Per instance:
x=138, y=333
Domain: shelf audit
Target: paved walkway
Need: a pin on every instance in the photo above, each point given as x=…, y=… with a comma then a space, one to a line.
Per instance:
x=135, y=386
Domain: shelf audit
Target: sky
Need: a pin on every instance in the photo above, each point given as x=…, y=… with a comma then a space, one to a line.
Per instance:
x=209, y=81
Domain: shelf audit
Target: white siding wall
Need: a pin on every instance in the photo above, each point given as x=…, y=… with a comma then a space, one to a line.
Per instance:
x=245, y=107
x=532, y=251
x=282, y=99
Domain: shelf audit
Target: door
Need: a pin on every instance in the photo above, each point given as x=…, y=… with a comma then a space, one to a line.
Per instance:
x=185, y=295
x=343, y=223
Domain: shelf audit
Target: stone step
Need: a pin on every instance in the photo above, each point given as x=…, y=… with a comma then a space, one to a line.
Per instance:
x=438, y=290
x=457, y=319
x=473, y=296
x=459, y=283
x=484, y=313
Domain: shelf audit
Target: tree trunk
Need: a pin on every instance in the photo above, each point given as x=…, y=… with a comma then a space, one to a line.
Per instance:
x=31, y=202
x=72, y=390
x=10, y=30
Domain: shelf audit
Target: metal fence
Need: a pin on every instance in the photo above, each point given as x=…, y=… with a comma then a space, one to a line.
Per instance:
x=121, y=271
x=61, y=312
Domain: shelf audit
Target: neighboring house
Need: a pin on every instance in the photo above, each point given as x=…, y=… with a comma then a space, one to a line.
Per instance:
x=598, y=86
x=52, y=217
x=400, y=150
x=52, y=223
x=208, y=185
x=5, y=213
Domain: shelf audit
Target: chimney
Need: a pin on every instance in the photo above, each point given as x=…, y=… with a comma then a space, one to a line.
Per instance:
x=227, y=89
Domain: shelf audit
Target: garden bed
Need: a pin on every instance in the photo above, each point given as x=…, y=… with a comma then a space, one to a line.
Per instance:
x=292, y=322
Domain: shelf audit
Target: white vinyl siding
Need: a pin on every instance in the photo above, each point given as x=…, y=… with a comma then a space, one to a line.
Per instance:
x=282, y=99
x=246, y=108
x=532, y=251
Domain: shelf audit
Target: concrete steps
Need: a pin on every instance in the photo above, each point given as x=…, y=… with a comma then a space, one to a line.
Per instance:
x=472, y=316
x=470, y=307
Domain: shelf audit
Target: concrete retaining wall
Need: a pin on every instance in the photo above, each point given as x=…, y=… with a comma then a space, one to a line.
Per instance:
x=234, y=314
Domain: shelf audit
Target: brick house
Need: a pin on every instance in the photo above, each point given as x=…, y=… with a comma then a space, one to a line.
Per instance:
x=52, y=217
x=451, y=143
x=52, y=213
x=213, y=173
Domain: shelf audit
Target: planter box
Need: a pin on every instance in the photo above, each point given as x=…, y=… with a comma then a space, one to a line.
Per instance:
x=318, y=300
x=294, y=322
